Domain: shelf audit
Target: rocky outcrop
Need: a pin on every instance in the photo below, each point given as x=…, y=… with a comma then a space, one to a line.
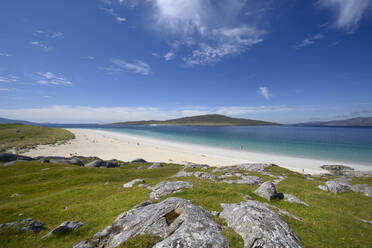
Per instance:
x=254, y=167
x=25, y=225
x=258, y=225
x=338, y=186
x=197, y=174
x=166, y=188
x=133, y=182
x=65, y=227
x=294, y=199
x=139, y=161
x=178, y=221
x=249, y=180
x=267, y=190
x=337, y=170
x=196, y=166
x=101, y=163
x=322, y=187
x=283, y=212
x=362, y=188
x=156, y=165
x=8, y=157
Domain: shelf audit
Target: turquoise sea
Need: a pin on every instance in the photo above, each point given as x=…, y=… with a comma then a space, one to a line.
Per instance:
x=344, y=144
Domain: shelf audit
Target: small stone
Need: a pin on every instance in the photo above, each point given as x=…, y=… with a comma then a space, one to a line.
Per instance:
x=267, y=190
x=294, y=199
x=14, y=195
x=133, y=182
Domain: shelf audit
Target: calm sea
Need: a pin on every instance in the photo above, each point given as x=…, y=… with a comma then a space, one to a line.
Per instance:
x=346, y=144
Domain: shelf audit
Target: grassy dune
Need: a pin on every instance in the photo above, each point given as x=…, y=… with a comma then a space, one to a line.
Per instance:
x=68, y=192
x=30, y=136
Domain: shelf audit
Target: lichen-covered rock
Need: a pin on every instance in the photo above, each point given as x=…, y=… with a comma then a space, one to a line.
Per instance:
x=294, y=199
x=204, y=175
x=249, y=180
x=166, y=187
x=258, y=225
x=133, y=182
x=25, y=225
x=267, y=190
x=65, y=227
x=178, y=221
x=338, y=186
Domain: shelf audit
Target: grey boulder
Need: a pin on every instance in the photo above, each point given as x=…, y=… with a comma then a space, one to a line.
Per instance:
x=8, y=157
x=267, y=190
x=139, y=160
x=178, y=221
x=258, y=225
x=338, y=186
x=294, y=199
x=254, y=167
x=101, y=163
x=362, y=188
x=166, y=188
x=322, y=187
x=249, y=180
x=133, y=182
x=65, y=227
x=156, y=165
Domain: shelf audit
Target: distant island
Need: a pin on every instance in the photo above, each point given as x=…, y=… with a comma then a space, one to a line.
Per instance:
x=202, y=120
x=357, y=122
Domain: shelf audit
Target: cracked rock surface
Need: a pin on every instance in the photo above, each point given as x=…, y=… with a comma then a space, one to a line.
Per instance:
x=177, y=220
x=166, y=187
x=258, y=225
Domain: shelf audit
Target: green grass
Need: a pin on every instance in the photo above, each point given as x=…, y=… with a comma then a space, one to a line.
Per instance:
x=68, y=192
x=30, y=136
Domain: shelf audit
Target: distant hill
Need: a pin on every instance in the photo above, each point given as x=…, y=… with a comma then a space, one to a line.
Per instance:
x=202, y=120
x=8, y=121
x=358, y=121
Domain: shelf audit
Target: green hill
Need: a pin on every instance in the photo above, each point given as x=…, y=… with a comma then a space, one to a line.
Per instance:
x=203, y=120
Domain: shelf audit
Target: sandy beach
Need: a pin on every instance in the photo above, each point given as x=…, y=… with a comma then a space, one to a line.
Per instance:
x=126, y=147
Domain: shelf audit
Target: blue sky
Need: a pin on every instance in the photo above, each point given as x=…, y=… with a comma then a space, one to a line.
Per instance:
x=71, y=61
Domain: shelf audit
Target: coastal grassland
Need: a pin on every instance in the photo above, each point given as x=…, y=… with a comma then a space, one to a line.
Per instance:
x=68, y=192
x=20, y=136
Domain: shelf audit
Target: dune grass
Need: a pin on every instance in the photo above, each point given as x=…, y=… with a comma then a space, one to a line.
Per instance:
x=20, y=136
x=67, y=192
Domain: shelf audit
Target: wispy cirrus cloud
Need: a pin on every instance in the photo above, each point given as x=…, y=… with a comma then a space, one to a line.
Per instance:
x=137, y=66
x=47, y=34
x=348, y=13
x=264, y=91
x=8, y=79
x=309, y=41
x=5, y=54
x=109, y=9
x=42, y=46
x=49, y=78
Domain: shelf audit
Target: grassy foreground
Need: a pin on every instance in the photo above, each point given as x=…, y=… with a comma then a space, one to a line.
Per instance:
x=67, y=192
x=30, y=136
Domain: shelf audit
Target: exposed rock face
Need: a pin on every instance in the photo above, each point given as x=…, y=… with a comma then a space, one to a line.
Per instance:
x=337, y=170
x=180, y=222
x=204, y=175
x=362, y=188
x=267, y=190
x=249, y=180
x=294, y=199
x=338, y=186
x=26, y=225
x=183, y=173
x=133, y=182
x=165, y=188
x=155, y=165
x=258, y=225
x=254, y=167
x=322, y=187
x=65, y=227
x=139, y=160
x=101, y=163
x=8, y=157
x=196, y=166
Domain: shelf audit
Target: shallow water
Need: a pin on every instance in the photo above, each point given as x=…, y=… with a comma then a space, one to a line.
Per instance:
x=344, y=144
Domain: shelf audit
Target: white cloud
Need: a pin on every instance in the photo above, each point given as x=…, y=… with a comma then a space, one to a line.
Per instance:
x=87, y=57
x=210, y=29
x=309, y=41
x=137, y=66
x=52, y=79
x=264, y=91
x=46, y=34
x=348, y=12
x=8, y=79
x=4, y=89
x=5, y=55
x=169, y=55
x=44, y=47
x=120, y=19
x=81, y=114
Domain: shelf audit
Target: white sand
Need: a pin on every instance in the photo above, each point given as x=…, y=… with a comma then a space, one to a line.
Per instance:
x=110, y=145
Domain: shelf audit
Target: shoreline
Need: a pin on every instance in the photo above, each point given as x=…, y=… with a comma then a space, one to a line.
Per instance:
x=127, y=147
